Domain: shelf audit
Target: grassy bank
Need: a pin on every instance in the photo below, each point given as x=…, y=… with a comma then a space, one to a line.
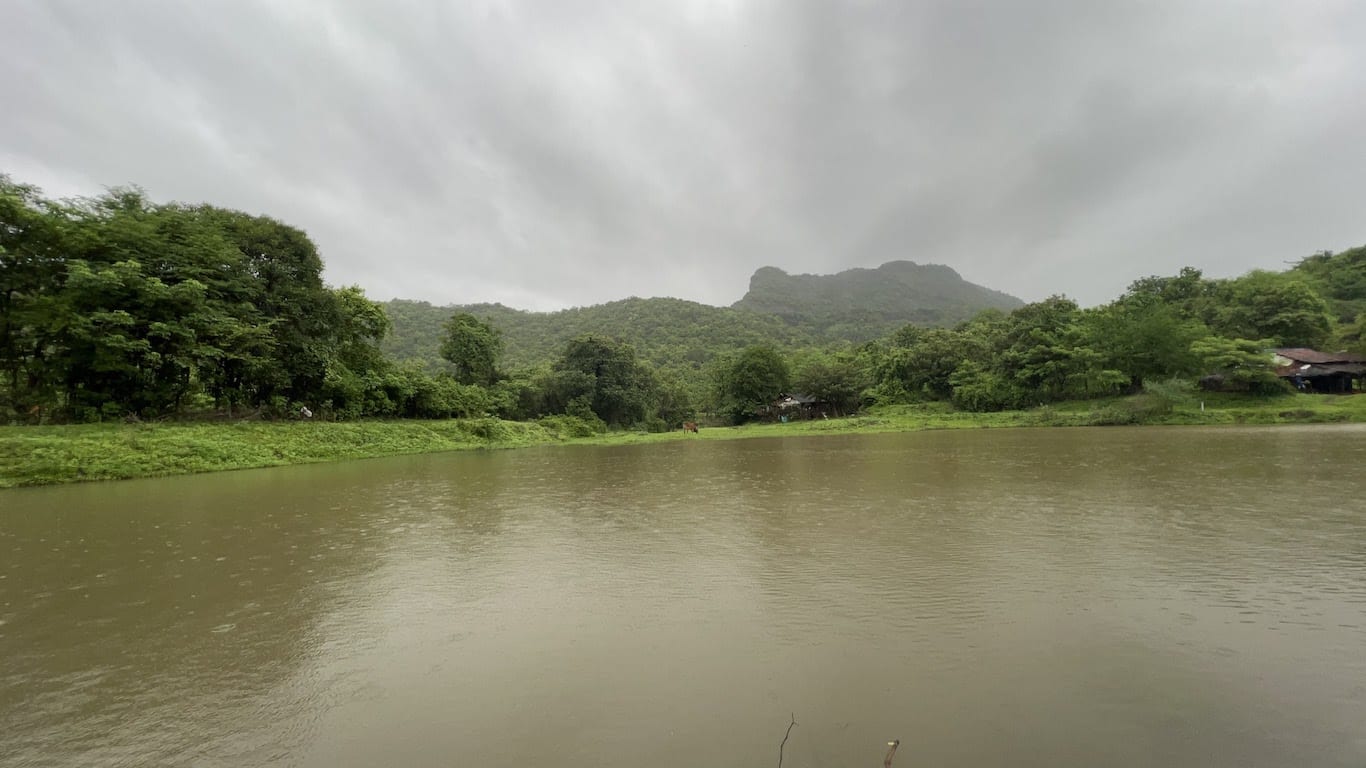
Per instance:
x=60, y=454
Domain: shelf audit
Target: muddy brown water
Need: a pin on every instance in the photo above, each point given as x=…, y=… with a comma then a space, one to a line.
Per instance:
x=1047, y=597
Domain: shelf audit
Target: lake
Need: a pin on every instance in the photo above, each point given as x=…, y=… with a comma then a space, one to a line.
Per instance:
x=1045, y=597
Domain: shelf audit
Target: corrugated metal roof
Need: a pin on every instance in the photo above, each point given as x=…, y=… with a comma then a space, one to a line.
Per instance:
x=1309, y=371
x=1304, y=355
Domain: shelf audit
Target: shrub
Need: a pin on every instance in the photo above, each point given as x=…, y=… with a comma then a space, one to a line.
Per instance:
x=489, y=429
x=1114, y=416
x=572, y=426
x=977, y=389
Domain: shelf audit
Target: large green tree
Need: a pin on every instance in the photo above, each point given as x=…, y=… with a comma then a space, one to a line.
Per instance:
x=922, y=361
x=1242, y=364
x=752, y=380
x=32, y=235
x=604, y=374
x=838, y=379
x=115, y=305
x=472, y=347
x=1280, y=307
x=1340, y=278
x=1143, y=338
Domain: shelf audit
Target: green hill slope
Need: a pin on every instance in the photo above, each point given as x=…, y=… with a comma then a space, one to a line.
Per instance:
x=862, y=304
x=1340, y=279
x=665, y=332
x=780, y=309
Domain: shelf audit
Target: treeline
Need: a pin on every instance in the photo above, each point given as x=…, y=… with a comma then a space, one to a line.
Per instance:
x=788, y=311
x=665, y=332
x=1164, y=332
x=1162, y=328
x=118, y=308
x=115, y=307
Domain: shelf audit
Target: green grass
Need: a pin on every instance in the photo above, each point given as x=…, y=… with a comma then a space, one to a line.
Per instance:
x=61, y=454
x=44, y=455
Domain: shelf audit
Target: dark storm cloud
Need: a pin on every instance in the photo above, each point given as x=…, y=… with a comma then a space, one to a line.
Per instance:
x=557, y=153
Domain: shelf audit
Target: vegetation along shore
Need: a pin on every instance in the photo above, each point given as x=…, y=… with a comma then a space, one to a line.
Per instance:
x=74, y=453
x=140, y=338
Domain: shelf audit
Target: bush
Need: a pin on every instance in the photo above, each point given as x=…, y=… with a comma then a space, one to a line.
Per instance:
x=885, y=393
x=1147, y=407
x=1157, y=401
x=572, y=426
x=1172, y=390
x=1114, y=416
x=489, y=429
x=441, y=397
x=977, y=389
x=515, y=399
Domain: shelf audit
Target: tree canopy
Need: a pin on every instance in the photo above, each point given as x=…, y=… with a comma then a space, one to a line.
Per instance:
x=754, y=379
x=117, y=307
x=472, y=347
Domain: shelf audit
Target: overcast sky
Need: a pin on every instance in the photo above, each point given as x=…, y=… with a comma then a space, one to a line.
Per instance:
x=570, y=152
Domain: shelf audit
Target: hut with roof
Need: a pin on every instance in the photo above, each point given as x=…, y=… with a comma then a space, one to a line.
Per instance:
x=1328, y=373
x=796, y=405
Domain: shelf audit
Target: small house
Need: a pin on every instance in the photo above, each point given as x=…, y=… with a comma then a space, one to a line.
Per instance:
x=1328, y=373
x=795, y=405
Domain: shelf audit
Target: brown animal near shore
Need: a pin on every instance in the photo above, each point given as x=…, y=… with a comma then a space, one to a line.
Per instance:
x=689, y=426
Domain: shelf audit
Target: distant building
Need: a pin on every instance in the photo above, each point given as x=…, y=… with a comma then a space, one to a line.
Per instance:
x=799, y=406
x=1328, y=373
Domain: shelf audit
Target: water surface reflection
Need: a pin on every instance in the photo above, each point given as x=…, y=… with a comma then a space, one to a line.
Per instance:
x=1033, y=597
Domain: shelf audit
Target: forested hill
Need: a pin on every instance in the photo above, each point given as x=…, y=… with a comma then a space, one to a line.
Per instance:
x=118, y=307
x=863, y=304
x=1340, y=279
x=665, y=332
x=780, y=309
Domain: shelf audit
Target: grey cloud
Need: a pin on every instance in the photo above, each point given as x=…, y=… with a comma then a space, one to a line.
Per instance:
x=565, y=153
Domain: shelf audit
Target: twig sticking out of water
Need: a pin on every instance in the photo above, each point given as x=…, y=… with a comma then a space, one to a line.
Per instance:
x=893, y=744
x=785, y=735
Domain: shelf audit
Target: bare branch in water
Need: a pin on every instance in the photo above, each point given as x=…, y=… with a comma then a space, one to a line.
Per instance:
x=785, y=735
x=893, y=744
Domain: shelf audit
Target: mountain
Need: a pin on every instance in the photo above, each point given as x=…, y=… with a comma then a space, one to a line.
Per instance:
x=665, y=332
x=780, y=309
x=862, y=304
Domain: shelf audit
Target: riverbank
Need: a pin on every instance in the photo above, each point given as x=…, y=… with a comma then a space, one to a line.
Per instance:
x=76, y=453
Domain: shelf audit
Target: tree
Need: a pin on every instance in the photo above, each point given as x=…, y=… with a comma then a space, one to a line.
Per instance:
x=924, y=364
x=675, y=403
x=976, y=388
x=1276, y=306
x=837, y=379
x=1143, y=337
x=1245, y=364
x=1353, y=335
x=32, y=234
x=129, y=341
x=1340, y=279
x=1187, y=293
x=285, y=286
x=607, y=378
x=472, y=347
x=354, y=369
x=756, y=378
x=1042, y=351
